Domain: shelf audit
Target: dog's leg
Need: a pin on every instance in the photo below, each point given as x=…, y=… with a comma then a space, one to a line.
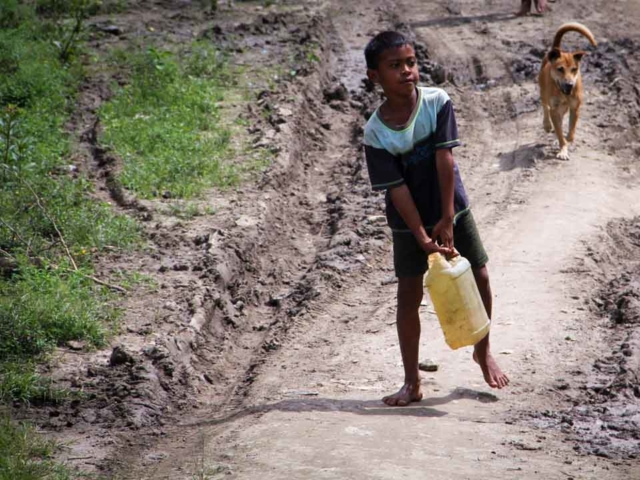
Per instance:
x=556, y=119
x=546, y=120
x=574, y=115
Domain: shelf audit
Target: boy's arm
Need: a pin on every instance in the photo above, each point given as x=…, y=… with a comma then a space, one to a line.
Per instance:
x=446, y=181
x=446, y=137
x=403, y=201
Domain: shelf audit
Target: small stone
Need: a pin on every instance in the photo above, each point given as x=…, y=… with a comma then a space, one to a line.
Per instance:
x=336, y=92
x=108, y=28
x=201, y=239
x=171, y=306
x=120, y=356
x=429, y=365
x=246, y=221
x=285, y=112
x=76, y=346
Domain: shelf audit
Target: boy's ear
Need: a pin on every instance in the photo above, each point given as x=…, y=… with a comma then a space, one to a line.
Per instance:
x=372, y=75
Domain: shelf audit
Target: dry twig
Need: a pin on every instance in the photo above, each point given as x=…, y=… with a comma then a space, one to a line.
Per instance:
x=46, y=214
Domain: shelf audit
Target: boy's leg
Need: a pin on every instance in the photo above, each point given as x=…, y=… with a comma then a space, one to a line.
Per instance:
x=468, y=243
x=482, y=351
x=541, y=6
x=525, y=7
x=410, y=292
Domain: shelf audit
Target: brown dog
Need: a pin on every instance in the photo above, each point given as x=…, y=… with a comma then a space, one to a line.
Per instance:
x=561, y=86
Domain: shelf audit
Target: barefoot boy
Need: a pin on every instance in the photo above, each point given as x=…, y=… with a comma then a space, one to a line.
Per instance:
x=408, y=142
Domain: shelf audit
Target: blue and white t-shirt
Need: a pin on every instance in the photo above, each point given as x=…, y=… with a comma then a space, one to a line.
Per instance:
x=407, y=155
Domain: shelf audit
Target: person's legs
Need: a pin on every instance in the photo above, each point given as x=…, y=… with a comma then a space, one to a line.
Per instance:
x=408, y=324
x=482, y=350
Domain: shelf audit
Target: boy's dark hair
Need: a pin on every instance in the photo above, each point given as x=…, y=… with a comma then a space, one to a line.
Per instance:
x=381, y=42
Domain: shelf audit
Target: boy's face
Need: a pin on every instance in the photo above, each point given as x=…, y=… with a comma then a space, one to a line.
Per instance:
x=397, y=71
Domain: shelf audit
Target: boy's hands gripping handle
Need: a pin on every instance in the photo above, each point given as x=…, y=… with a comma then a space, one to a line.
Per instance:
x=402, y=200
x=443, y=231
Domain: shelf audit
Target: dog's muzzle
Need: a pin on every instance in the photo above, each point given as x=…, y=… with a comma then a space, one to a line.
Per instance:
x=566, y=88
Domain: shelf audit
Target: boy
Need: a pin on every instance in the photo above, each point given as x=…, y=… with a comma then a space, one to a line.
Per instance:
x=408, y=142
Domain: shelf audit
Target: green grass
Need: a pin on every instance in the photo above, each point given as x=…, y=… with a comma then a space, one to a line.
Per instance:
x=165, y=124
x=24, y=455
x=44, y=209
x=42, y=308
x=20, y=382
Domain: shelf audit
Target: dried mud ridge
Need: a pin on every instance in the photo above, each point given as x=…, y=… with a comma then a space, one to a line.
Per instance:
x=605, y=417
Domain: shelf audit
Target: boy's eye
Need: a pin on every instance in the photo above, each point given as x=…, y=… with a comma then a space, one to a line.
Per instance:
x=411, y=62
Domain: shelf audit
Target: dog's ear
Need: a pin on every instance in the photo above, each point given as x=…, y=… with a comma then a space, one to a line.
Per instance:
x=553, y=54
x=577, y=56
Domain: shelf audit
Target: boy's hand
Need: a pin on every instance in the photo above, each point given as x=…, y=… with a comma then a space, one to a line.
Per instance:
x=430, y=246
x=444, y=231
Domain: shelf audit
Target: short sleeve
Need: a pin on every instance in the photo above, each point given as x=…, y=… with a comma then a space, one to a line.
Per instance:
x=446, y=135
x=384, y=169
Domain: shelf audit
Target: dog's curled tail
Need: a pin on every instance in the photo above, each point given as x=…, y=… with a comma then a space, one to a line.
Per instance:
x=573, y=27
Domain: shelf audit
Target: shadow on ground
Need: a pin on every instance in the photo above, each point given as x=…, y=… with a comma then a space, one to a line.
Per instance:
x=522, y=157
x=423, y=408
x=456, y=21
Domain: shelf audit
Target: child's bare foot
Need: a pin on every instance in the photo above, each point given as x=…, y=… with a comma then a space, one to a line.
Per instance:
x=490, y=369
x=410, y=392
x=525, y=7
x=541, y=6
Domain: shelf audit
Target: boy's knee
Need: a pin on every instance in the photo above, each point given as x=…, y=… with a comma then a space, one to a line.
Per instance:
x=410, y=294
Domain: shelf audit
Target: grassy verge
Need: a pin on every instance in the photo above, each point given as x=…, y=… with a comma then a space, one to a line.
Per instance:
x=165, y=124
x=24, y=455
x=50, y=228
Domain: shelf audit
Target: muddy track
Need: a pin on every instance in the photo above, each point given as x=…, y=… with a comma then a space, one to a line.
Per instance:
x=274, y=317
x=313, y=409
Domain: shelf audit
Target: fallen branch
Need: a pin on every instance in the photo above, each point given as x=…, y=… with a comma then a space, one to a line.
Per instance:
x=117, y=288
x=44, y=211
x=17, y=234
x=46, y=214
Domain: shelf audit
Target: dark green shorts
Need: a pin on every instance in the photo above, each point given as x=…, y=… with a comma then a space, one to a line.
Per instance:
x=410, y=260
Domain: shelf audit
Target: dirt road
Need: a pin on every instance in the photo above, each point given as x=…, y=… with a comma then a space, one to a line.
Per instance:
x=308, y=405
